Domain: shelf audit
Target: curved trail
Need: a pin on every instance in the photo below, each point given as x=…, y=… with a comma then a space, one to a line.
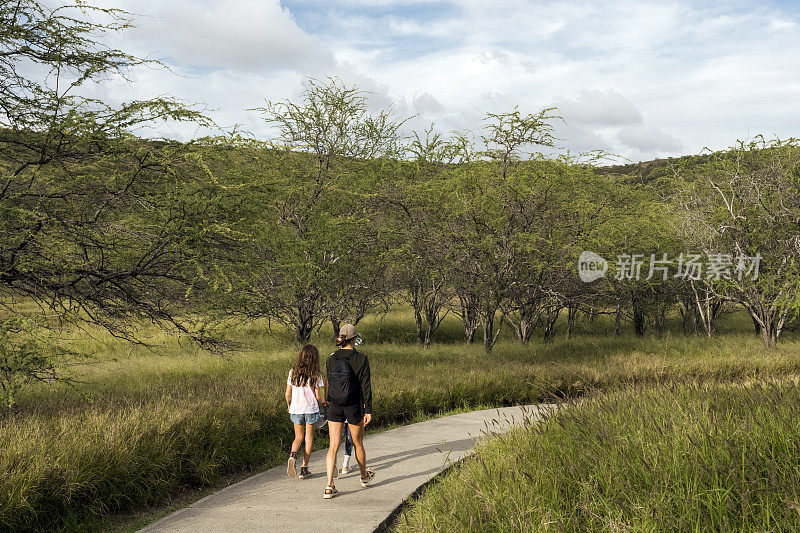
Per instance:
x=404, y=459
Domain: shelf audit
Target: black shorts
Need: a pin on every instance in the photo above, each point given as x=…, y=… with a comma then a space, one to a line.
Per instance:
x=353, y=414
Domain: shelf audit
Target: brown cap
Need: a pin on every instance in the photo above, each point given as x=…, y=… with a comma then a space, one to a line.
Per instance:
x=348, y=331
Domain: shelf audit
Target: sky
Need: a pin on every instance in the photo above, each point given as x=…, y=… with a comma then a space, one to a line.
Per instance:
x=640, y=79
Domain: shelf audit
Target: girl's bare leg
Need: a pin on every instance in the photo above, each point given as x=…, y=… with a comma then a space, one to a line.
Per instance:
x=298, y=437
x=309, y=443
x=335, y=433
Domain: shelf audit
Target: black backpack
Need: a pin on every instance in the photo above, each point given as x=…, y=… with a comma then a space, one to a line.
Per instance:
x=343, y=386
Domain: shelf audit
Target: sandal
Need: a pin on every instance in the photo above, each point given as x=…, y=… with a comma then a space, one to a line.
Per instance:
x=330, y=492
x=365, y=481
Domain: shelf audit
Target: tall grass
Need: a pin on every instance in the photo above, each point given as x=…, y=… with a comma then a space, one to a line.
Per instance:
x=678, y=458
x=144, y=424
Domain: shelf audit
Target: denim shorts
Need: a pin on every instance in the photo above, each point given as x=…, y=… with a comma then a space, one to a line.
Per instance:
x=309, y=418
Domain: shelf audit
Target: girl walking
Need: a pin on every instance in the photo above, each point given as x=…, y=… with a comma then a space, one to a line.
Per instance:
x=302, y=399
x=349, y=395
x=348, y=451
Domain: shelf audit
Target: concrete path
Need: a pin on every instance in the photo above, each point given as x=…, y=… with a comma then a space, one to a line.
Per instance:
x=403, y=459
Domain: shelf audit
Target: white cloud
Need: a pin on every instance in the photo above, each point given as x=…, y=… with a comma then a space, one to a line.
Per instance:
x=579, y=138
x=649, y=139
x=782, y=25
x=426, y=103
x=599, y=107
x=622, y=72
x=247, y=35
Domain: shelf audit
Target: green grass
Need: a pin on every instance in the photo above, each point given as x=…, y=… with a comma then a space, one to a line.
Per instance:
x=679, y=458
x=145, y=425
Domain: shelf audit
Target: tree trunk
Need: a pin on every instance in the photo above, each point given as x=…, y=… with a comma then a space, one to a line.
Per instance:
x=336, y=324
x=770, y=337
x=427, y=311
x=524, y=328
x=709, y=306
x=637, y=306
x=618, y=321
x=416, y=303
x=572, y=315
x=770, y=320
x=660, y=317
x=304, y=323
x=550, y=318
x=756, y=325
x=469, y=315
x=490, y=336
x=688, y=313
x=418, y=325
x=432, y=320
x=488, y=330
x=361, y=312
x=433, y=312
x=713, y=312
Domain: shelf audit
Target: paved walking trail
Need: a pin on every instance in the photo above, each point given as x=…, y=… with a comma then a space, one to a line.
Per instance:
x=403, y=459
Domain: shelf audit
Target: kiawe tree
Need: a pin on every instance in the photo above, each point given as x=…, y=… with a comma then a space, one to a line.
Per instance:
x=492, y=216
x=423, y=256
x=317, y=232
x=93, y=220
x=745, y=201
x=561, y=205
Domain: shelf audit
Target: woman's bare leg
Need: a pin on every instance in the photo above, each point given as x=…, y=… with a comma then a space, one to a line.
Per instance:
x=357, y=432
x=335, y=433
x=309, y=443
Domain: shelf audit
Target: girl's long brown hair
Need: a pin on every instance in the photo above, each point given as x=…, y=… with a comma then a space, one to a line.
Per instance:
x=306, y=369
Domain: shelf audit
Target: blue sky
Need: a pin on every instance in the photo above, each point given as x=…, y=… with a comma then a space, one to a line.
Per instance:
x=642, y=79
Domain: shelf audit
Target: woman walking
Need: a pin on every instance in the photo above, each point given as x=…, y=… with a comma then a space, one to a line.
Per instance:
x=302, y=399
x=349, y=395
